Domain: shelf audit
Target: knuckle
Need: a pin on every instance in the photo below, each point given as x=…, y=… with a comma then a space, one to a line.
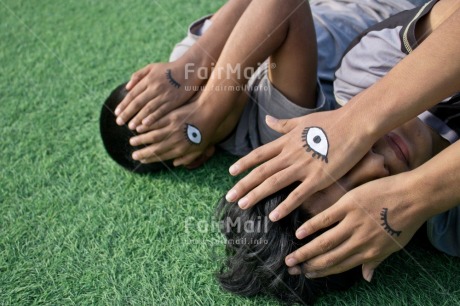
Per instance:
x=150, y=139
x=325, y=219
x=261, y=170
x=129, y=96
x=158, y=113
x=310, y=227
x=324, y=245
x=272, y=181
x=137, y=103
x=174, y=117
x=300, y=254
x=330, y=261
x=257, y=154
x=296, y=195
x=283, y=123
x=372, y=253
x=150, y=107
x=150, y=152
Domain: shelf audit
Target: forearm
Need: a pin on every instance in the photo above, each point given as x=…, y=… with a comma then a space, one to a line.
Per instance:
x=259, y=33
x=435, y=183
x=424, y=78
x=206, y=51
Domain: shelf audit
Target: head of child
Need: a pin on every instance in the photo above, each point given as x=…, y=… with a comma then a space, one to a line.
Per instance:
x=256, y=253
x=116, y=138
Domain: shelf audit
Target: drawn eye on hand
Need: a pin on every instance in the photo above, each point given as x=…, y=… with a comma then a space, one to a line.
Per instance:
x=193, y=134
x=316, y=140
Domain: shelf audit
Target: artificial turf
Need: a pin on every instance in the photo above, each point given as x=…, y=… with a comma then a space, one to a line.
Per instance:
x=77, y=229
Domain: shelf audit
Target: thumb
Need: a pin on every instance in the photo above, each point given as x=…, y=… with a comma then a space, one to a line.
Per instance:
x=282, y=126
x=368, y=270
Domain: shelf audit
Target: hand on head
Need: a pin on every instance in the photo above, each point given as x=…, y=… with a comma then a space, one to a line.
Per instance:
x=154, y=91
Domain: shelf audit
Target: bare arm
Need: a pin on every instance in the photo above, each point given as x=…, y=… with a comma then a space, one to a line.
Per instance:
x=368, y=231
x=428, y=75
x=152, y=96
x=425, y=77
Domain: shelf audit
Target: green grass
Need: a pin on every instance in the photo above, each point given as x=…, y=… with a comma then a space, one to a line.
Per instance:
x=77, y=229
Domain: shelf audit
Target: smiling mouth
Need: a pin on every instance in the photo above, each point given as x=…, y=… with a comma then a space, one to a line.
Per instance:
x=399, y=147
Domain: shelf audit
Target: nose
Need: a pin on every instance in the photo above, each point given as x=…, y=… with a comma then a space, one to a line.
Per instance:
x=370, y=167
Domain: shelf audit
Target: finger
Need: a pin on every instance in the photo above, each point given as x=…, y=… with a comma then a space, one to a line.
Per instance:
x=278, y=180
x=137, y=76
x=156, y=151
x=322, y=220
x=143, y=129
x=163, y=122
x=257, y=156
x=203, y=158
x=159, y=113
x=369, y=268
x=164, y=156
x=188, y=159
x=149, y=109
x=149, y=138
x=296, y=270
x=282, y=126
x=123, y=116
x=136, y=105
x=294, y=200
x=255, y=178
x=321, y=245
x=350, y=262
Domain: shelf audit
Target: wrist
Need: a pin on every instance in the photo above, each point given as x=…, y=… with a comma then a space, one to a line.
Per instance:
x=376, y=111
x=432, y=195
x=362, y=130
x=197, y=67
x=412, y=193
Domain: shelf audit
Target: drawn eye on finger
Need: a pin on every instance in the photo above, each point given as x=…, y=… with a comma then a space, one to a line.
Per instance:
x=316, y=141
x=193, y=134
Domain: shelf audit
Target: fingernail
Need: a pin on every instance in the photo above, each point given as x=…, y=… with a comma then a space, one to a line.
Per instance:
x=274, y=216
x=311, y=275
x=301, y=233
x=117, y=111
x=231, y=195
x=133, y=141
x=135, y=156
x=128, y=85
x=296, y=270
x=234, y=169
x=132, y=125
x=291, y=262
x=146, y=122
x=140, y=129
x=120, y=121
x=243, y=202
x=369, y=275
x=270, y=120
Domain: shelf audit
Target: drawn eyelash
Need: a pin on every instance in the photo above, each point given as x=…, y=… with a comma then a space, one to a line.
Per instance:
x=386, y=226
x=192, y=134
x=171, y=79
x=316, y=140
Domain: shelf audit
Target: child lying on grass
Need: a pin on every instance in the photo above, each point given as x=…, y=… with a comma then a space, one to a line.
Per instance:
x=287, y=89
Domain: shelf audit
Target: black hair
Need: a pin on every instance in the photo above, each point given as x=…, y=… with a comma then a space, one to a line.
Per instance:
x=116, y=138
x=256, y=249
